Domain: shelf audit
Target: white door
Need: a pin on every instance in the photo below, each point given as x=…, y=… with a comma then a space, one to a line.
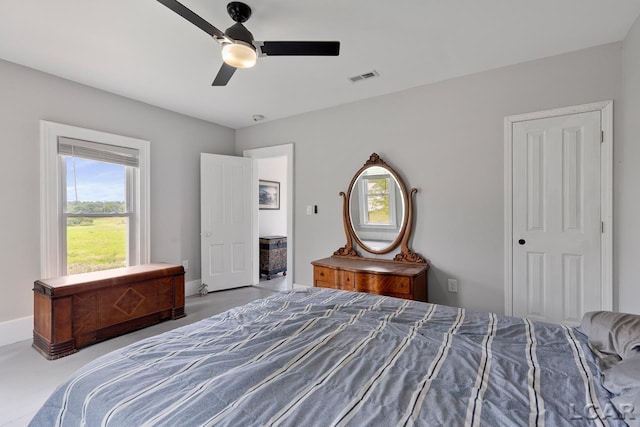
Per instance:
x=557, y=217
x=226, y=203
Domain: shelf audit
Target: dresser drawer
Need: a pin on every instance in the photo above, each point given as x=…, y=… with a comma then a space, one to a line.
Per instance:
x=330, y=278
x=323, y=284
x=346, y=280
x=383, y=285
x=322, y=274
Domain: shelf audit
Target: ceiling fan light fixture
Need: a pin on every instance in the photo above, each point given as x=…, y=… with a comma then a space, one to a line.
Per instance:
x=239, y=48
x=239, y=54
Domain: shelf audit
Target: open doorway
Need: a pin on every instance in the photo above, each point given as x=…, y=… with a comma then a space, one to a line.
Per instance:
x=274, y=165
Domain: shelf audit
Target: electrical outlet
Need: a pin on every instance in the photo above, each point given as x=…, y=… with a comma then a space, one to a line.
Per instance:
x=185, y=264
x=453, y=285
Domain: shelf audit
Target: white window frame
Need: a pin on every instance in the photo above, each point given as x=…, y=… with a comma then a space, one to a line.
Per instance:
x=52, y=194
x=364, y=203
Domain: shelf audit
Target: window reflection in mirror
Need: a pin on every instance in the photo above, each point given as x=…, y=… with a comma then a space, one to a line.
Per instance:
x=376, y=207
x=377, y=198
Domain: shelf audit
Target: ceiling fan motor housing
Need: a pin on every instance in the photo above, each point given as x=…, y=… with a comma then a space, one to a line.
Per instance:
x=239, y=11
x=239, y=32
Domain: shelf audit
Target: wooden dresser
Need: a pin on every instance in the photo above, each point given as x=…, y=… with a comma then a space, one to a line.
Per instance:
x=72, y=312
x=396, y=279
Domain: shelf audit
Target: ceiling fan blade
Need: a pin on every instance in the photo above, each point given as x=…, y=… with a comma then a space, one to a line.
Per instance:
x=195, y=19
x=224, y=75
x=298, y=48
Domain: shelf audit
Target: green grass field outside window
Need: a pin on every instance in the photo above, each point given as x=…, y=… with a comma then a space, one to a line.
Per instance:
x=96, y=244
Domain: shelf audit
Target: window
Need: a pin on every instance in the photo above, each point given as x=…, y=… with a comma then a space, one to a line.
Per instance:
x=98, y=189
x=378, y=200
x=95, y=200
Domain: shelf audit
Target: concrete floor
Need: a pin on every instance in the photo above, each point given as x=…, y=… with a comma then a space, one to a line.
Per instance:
x=27, y=378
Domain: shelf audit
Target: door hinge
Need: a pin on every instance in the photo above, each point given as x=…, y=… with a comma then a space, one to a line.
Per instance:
x=601, y=136
x=602, y=227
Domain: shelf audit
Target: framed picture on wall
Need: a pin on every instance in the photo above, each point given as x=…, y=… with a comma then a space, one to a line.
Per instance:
x=269, y=194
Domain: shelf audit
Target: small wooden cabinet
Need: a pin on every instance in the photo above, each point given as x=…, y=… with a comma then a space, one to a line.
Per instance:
x=381, y=277
x=273, y=255
x=72, y=312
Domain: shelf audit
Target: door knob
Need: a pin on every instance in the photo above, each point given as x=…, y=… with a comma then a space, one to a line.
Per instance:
x=522, y=241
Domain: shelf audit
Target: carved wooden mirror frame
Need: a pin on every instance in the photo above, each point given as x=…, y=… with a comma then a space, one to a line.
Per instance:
x=406, y=254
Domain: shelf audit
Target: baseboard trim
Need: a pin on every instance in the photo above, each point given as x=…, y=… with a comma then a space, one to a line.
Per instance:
x=191, y=287
x=16, y=330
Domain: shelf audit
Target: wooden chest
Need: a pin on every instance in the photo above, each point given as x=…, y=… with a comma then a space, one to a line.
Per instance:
x=72, y=312
x=381, y=277
x=273, y=255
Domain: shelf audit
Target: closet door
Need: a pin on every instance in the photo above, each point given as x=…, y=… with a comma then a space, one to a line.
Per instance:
x=557, y=217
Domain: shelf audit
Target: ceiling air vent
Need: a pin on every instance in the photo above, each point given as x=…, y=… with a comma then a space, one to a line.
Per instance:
x=371, y=74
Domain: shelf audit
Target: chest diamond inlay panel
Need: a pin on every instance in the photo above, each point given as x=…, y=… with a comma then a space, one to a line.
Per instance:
x=129, y=301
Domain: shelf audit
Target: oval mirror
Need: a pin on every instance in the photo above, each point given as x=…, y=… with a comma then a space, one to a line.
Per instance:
x=377, y=208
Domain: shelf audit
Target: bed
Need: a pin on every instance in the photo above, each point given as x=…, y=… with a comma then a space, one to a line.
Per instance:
x=321, y=357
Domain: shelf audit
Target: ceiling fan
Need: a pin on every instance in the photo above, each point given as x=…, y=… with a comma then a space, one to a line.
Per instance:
x=239, y=49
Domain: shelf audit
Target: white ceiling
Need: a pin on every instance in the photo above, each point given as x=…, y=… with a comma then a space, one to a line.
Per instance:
x=142, y=50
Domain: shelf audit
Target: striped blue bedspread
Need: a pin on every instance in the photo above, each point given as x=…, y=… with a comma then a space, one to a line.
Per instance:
x=322, y=357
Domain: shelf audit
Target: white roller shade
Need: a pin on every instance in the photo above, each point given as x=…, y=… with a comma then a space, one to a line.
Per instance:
x=97, y=151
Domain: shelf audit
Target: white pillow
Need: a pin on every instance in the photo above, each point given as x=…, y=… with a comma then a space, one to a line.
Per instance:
x=624, y=381
x=613, y=333
x=623, y=376
x=628, y=404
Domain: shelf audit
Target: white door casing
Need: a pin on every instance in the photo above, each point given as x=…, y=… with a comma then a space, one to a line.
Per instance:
x=265, y=153
x=558, y=213
x=226, y=221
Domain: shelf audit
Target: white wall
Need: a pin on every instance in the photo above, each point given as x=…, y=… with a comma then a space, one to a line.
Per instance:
x=28, y=96
x=447, y=140
x=274, y=222
x=626, y=200
x=444, y=138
